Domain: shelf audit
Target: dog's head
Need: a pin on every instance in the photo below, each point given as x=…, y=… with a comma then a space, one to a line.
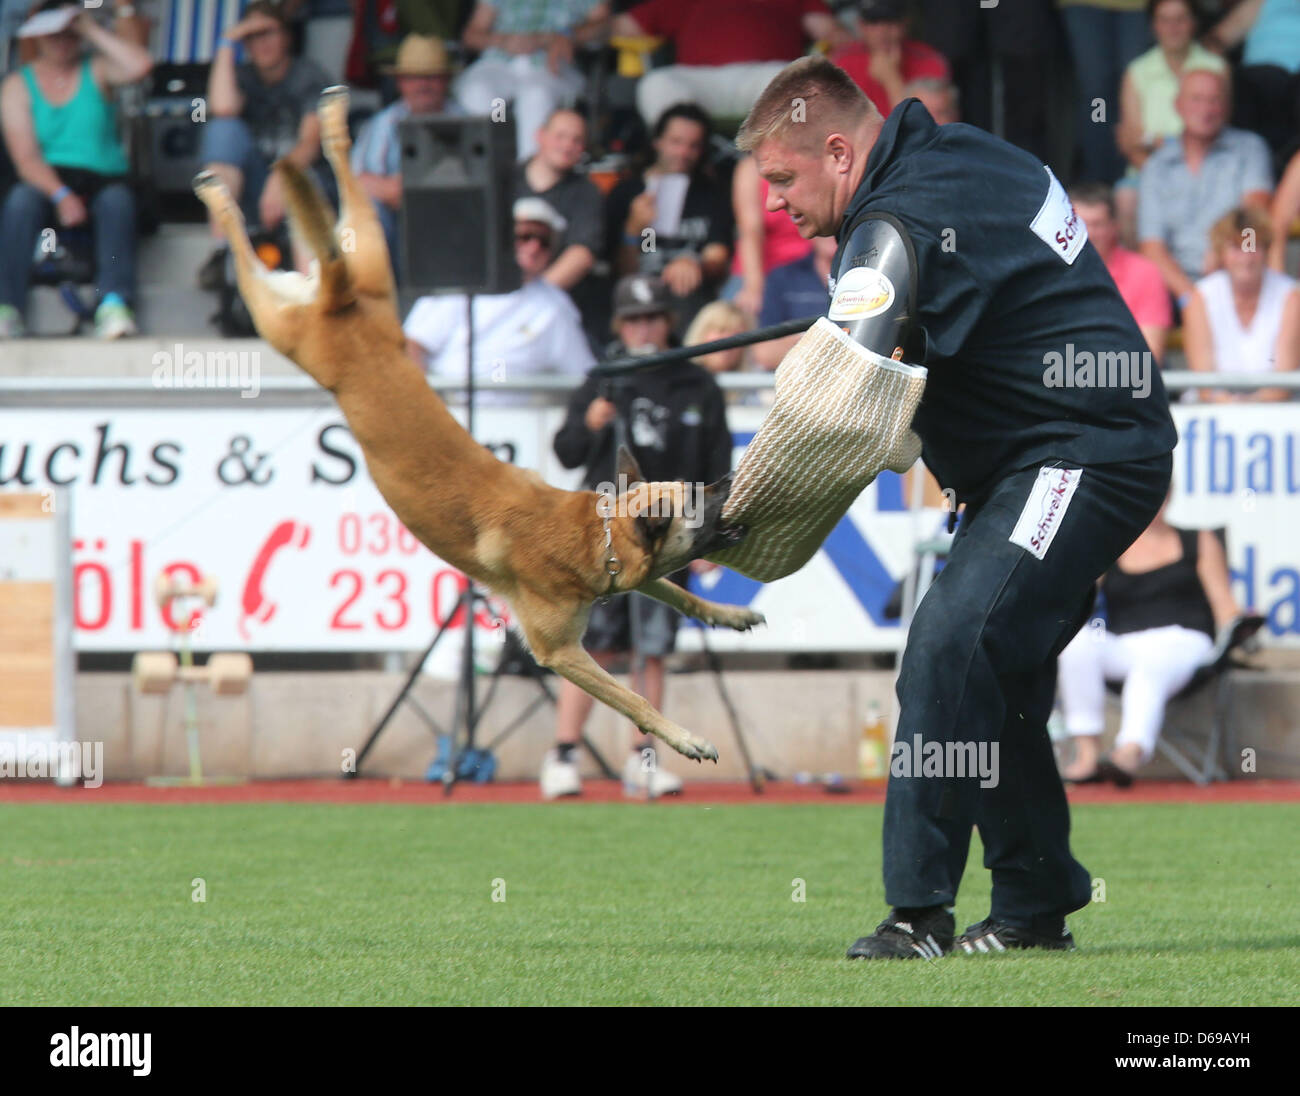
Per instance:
x=672, y=521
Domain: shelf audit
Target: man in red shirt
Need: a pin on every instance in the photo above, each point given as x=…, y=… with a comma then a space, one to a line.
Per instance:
x=727, y=50
x=883, y=60
x=1137, y=278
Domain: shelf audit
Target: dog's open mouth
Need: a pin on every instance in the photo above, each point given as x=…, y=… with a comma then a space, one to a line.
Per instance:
x=726, y=535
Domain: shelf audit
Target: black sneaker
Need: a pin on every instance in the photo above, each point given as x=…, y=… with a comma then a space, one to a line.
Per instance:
x=990, y=937
x=909, y=934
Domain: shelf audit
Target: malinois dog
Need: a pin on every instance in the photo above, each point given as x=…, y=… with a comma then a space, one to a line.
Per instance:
x=549, y=553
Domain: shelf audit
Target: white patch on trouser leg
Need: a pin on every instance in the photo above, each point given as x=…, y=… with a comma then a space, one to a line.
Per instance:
x=1044, y=513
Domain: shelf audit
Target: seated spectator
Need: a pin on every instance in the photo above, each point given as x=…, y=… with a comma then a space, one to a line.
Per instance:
x=259, y=112
x=1286, y=211
x=1268, y=81
x=379, y=26
x=527, y=59
x=794, y=291
x=535, y=329
x=884, y=59
x=422, y=73
x=551, y=174
x=1149, y=91
x=60, y=130
x=764, y=240
x=676, y=428
x=1167, y=597
x=1192, y=180
x=1244, y=318
x=719, y=320
x=1138, y=279
x=674, y=219
x=939, y=97
x=726, y=51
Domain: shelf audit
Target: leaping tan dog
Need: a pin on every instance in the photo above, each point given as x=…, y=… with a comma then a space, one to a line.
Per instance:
x=549, y=553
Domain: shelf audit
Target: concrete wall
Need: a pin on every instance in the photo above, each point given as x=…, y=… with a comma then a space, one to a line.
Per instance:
x=299, y=724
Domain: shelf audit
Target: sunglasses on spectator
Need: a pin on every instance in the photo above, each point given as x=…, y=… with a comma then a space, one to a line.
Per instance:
x=543, y=238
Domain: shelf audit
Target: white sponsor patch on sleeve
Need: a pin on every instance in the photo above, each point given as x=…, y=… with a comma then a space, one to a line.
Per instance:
x=1045, y=510
x=1057, y=224
x=861, y=292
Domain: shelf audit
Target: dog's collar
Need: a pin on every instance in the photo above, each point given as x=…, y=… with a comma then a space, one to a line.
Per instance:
x=613, y=567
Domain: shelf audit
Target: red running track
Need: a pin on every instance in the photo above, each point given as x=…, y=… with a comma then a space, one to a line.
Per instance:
x=382, y=790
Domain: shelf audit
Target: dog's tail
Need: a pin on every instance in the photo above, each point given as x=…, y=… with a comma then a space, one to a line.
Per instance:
x=311, y=218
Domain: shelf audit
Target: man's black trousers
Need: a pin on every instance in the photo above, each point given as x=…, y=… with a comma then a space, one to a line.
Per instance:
x=980, y=667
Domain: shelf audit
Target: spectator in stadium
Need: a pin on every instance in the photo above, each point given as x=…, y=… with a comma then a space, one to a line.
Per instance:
x=1167, y=597
x=793, y=291
x=1104, y=36
x=883, y=59
x=674, y=219
x=422, y=72
x=1268, y=80
x=940, y=98
x=533, y=330
x=1149, y=92
x=764, y=240
x=378, y=27
x=259, y=112
x=719, y=320
x=1243, y=318
x=1192, y=180
x=676, y=428
x=1286, y=212
x=726, y=52
x=60, y=131
x=552, y=174
x=1137, y=278
x=526, y=59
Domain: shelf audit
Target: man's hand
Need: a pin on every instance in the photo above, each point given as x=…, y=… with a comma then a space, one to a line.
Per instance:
x=251, y=24
x=640, y=214
x=71, y=211
x=270, y=206
x=599, y=414
x=683, y=275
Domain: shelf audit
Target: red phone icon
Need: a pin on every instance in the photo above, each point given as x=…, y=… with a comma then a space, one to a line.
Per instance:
x=254, y=603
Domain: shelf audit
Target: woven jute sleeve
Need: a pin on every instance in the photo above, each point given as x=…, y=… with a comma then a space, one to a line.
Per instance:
x=842, y=414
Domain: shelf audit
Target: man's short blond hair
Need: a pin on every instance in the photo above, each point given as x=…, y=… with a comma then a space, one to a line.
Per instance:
x=810, y=96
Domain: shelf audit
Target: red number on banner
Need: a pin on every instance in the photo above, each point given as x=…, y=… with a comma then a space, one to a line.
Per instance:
x=379, y=525
x=337, y=620
x=406, y=542
x=398, y=597
x=350, y=534
x=440, y=600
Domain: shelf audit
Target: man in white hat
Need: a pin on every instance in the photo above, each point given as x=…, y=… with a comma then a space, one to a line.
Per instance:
x=423, y=75
x=534, y=329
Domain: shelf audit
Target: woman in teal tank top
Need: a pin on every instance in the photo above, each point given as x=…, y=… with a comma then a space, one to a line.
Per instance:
x=60, y=128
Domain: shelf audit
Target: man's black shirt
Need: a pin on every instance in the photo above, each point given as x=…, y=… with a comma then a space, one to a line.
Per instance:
x=998, y=305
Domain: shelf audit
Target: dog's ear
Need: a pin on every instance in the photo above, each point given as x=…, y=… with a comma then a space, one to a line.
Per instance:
x=653, y=528
x=628, y=471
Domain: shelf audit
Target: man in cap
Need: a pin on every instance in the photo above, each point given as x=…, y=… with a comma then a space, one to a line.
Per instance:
x=534, y=329
x=423, y=75
x=675, y=425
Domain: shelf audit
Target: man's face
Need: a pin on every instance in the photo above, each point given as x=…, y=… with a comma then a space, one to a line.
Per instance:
x=645, y=333
x=62, y=49
x=1203, y=105
x=534, y=245
x=423, y=94
x=681, y=146
x=267, y=43
x=562, y=142
x=1102, y=230
x=882, y=36
x=808, y=187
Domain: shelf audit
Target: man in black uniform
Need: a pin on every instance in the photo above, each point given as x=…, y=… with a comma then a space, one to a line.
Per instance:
x=1045, y=416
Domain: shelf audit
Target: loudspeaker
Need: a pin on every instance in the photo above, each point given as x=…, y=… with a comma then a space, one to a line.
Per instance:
x=457, y=233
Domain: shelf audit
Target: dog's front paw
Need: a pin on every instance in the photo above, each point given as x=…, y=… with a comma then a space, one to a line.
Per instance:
x=697, y=749
x=736, y=617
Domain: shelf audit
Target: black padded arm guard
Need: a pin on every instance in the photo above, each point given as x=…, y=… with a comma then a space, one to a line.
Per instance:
x=874, y=299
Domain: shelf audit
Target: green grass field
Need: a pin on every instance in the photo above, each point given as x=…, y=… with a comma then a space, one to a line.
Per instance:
x=606, y=904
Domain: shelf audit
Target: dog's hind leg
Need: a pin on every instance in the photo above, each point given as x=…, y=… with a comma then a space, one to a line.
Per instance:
x=707, y=612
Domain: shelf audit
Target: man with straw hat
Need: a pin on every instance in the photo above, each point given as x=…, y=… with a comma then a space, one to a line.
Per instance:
x=423, y=75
